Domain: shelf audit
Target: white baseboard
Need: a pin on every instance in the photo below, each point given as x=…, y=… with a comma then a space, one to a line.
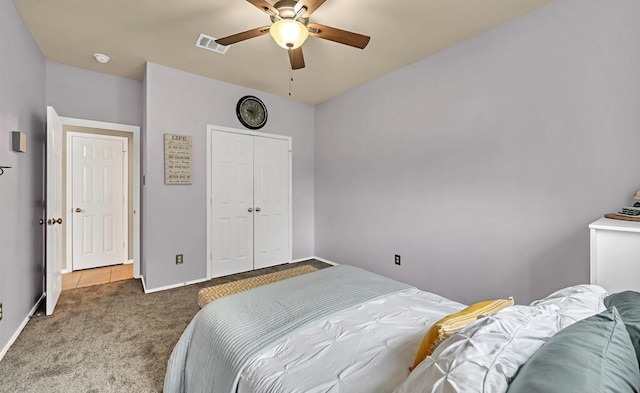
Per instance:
x=326, y=261
x=316, y=258
x=129, y=262
x=171, y=286
x=20, y=328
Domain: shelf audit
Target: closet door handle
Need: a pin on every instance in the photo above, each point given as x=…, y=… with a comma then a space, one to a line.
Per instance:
x=250, y=210
x=258, y=209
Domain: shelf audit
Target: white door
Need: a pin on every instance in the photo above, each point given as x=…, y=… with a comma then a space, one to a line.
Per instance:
x=231, y=203
x=98, y=169
x=53, y=210
x=271, y=201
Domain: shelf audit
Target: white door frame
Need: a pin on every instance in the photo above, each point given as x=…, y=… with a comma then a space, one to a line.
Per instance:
x=212, y=128
x=69, y=199
x=135, y=131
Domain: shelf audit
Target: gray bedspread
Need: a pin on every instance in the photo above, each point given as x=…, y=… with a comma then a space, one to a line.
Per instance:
x=229, y=331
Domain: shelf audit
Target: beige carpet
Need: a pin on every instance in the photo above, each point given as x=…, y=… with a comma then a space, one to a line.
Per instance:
x=106, y=339
x=212, y=293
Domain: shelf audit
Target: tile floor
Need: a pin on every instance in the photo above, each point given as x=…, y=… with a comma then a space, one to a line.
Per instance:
x=97, y=276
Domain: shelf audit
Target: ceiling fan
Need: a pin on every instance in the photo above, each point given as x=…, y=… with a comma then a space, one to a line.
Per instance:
x=291, y=28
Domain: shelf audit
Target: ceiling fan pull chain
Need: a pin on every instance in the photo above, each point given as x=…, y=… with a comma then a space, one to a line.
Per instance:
x=290, y=79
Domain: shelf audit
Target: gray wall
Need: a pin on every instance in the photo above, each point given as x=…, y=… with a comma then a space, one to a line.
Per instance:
x=483, y=165
x=22, y=108
x=83, y=94
x=174, y=217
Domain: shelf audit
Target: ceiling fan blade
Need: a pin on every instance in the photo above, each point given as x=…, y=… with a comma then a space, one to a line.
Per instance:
x=297, y=58
x=232, y=39
x=310, y=5
x=340, y=36
x=265, y=7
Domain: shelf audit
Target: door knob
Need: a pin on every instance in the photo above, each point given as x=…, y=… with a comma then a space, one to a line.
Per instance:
x=41, y=222
x=78, y=210
x=50, y=222
x=258, y=209
x=59, y=221
x=250, y=210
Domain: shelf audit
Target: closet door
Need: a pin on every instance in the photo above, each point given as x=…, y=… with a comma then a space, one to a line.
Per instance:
x=232, y=203
x=271, y=201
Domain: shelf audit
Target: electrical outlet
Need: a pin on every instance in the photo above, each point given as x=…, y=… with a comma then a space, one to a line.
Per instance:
x=0, y=311
x=397, y=259
x=179, y=259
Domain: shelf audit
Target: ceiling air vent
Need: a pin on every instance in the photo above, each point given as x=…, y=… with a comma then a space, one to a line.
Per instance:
x=209, y=43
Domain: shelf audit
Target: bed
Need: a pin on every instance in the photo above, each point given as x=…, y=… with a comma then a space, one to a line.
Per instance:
x=343, y=329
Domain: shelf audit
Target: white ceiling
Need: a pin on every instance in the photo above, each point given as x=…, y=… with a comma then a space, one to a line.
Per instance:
x=133, y=32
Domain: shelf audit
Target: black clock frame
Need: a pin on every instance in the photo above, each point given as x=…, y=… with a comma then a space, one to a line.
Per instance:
x=242, y=120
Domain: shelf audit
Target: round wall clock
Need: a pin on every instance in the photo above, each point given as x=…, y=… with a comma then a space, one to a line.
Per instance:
x=251, y=112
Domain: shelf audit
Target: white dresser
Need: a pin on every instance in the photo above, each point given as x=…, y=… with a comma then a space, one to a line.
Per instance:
x=615, y=254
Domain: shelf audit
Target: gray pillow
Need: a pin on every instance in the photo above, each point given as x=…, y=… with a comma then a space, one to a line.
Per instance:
x=592, y=355
x=628, y=305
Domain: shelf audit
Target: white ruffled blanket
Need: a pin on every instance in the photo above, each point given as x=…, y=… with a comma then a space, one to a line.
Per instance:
x=366, y=349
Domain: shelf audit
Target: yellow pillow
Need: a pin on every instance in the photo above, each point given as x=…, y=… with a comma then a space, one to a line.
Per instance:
x=452, y=324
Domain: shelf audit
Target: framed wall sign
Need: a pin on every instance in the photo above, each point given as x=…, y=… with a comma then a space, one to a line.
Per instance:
x=178, y=152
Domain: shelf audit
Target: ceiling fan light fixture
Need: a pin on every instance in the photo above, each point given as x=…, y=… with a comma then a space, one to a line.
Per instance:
x=289, y=33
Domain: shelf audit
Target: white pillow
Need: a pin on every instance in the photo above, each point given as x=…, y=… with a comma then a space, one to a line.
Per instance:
x=485, y=356
x=576, y=302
